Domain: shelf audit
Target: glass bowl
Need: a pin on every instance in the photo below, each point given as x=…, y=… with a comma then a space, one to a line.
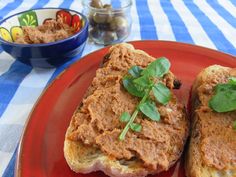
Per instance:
x=110, y=21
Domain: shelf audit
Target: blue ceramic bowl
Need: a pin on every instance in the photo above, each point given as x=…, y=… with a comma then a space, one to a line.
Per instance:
x=48, y=54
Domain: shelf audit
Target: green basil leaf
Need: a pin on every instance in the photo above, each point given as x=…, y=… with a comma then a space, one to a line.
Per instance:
x=132, y=88
x=135, y=71
x=161, y=93
x=232, y=80
x=234, y=125
x=144, y=82
x=125, y=117
x=149, y=109
x=136, y=127
x=224, y=99
x=157, y=68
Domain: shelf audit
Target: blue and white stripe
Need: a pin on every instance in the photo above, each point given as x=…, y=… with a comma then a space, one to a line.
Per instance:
x=210, y=23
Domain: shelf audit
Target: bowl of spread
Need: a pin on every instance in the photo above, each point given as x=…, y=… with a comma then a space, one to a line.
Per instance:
x=110, y=21
x=45, y=37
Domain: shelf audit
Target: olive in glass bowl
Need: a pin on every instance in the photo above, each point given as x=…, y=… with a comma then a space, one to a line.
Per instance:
x=110, y=21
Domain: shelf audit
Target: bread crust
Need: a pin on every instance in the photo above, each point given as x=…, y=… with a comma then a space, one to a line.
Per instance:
x=83, y=158
x=195, y=166
x=86, y=159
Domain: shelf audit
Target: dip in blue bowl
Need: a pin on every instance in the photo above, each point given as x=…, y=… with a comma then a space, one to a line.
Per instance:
x=19, y=37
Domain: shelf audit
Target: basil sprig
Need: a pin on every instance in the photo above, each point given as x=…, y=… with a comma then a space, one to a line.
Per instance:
x=140, y=83
x=224, y=98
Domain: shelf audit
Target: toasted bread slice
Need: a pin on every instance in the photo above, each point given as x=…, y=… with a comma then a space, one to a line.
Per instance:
x=212, y=147
x=84, y=155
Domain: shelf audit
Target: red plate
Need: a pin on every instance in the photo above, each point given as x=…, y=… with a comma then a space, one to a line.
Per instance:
x=41, y=148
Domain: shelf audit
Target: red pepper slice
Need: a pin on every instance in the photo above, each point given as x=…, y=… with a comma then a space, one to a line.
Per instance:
x=66, y=16
x=76, y=23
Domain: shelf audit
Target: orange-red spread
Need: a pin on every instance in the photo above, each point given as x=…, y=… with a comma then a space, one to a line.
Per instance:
x=51, y=31
x=158, y=144
x=218, y=138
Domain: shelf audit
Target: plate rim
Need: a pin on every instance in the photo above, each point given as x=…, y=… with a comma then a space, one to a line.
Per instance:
x=17, y=168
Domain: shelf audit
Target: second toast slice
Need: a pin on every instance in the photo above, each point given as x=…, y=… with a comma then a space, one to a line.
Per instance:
x=212, y=148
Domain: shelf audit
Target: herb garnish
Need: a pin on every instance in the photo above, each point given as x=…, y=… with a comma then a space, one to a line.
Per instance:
x=224, y=99
x=140, y=83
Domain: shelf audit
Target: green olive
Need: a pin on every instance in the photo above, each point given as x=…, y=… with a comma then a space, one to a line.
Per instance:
x=118, y=23
x=107, y=6
x=113, y=25
x=121, y=22
x=96, y=4
x=99, y=18
x=109, y=18
x=108, y=11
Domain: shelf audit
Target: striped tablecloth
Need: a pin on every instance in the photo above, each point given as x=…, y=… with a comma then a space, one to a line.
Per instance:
x=208, y=23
